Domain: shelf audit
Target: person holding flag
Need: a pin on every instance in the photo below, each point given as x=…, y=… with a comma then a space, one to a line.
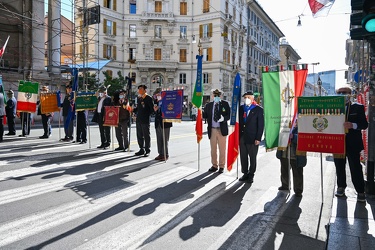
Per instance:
x=251, y=123
x=217, y=113
x=67, y=106
x=105, y=131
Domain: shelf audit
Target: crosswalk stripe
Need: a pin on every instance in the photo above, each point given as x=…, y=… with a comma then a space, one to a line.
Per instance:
x=42, y=221
x=133, y=235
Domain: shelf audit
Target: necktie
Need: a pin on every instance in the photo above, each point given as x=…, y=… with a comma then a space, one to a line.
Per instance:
x=216, y=112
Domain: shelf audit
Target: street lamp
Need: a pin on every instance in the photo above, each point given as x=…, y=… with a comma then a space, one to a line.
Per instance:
x=319, y=82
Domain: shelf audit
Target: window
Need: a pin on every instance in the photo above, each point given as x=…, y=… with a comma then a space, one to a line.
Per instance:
x=183, y=32
x=132, y=31
x=157, y=54
x=206, y=78
x=109, y=72
x=182, y=78
x=158, y=6
x=206, y=6
x=157, y=31
x=109, y=51
x=109, y=27
x=132, y=53
x=183, y=8
x=205, y=30
x=226, y=56
x=183, y=55
x=207, y=54
x=132, y=6
x=110, y=4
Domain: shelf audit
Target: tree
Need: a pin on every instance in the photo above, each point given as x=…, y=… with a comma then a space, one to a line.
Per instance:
x=116, y=83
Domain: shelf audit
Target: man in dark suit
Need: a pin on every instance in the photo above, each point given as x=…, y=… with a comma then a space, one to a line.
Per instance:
x=355, y=121
x=10, y=110
x=2, y=113
x=105, y=131
x=251, y=123
x=217, y=113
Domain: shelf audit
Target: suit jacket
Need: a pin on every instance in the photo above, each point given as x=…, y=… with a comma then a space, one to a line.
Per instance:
x=10, y=108
x=106, y=102
x=252, y=129
x=144, y=109
x=224, y=111
x=353, y=138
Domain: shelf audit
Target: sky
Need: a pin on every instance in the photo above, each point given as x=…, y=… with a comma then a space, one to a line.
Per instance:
x=320, y=39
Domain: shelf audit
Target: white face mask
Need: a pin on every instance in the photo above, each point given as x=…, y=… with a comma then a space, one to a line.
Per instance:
x=101, y=94
x=216, y=99
x=247, y=101
x=121, y=96
x=158, y=97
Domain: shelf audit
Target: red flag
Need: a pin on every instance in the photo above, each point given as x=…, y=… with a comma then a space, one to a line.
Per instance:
x=2, y=50
x=199, y=126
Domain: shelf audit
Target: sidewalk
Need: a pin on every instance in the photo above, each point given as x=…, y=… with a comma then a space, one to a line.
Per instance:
x=352, y=224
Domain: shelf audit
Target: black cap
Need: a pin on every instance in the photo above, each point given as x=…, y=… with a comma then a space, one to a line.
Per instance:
x=157, y=91
x=248, y=93
x=217, y=92
x=102, y=88
x=142, y=86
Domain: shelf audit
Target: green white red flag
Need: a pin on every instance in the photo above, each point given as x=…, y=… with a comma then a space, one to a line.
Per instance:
x=197, y=100
x=27, y=96
x=320, y=124
x=281, y=89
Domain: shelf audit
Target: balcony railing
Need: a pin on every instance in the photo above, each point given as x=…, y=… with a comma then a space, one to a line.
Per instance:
x=167, y=16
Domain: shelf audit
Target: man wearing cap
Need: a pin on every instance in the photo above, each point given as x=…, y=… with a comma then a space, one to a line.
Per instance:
x=161, y=128
x=144, y=109
x=10, y=110
x=105, y=131
x=119, y=99
x=251, y=122
x=68, y=121
x=217, y=113
x=355, y=122
x=46, y=118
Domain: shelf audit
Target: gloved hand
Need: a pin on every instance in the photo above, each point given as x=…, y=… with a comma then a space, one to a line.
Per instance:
x=221, y=119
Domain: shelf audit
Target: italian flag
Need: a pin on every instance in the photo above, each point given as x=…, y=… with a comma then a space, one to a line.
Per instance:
x=27, y=96
x=281, y=89
x=320, y=124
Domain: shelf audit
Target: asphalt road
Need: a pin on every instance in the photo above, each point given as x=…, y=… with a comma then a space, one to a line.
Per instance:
x=63, y=195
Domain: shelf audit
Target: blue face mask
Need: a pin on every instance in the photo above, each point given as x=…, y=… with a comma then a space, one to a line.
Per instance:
x=121, y=96
x=216, y=99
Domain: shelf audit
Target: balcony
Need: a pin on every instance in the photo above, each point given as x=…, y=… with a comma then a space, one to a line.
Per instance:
x=160, y=16
x=154, y=64
x=243, y=29
x=228, y=19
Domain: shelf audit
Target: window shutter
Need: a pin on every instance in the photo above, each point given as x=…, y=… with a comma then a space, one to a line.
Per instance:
x=105, y=3
x=114, y=28
x=104, y=50
x=114, y=50
x=114, y=5
x=228, y=56
x=200, y=31
x=209, y=77
x=81, y=27
x=105, y=26
x=210, y=30
x=209, y=52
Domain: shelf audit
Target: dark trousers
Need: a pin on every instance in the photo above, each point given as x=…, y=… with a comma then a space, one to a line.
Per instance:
x=143, y=136
x=356, y=172
x=68, y=131
x=297, y=175
x=1, y=128
x=160, y=141
x=81, y=129
x=105, y=132
x=46, y=121
x=248, y=151
x=11, y=124
x=25, y=123
x=122, y=134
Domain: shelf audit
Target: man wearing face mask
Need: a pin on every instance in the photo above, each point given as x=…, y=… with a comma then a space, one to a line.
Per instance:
x=105, y=131
x=217, y=114
x=124, y=118
x=144, y=109
x=355, y=122
x=251, y=121
x=162, y=143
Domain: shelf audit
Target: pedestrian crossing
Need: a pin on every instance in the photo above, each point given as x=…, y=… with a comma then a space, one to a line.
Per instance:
x=95, y=199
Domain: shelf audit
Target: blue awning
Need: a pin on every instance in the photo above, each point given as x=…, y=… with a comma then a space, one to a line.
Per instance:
x=95, y=65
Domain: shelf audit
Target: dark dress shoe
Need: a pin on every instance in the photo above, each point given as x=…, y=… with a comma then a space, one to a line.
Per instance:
x=10, y=134
x=212, y=169
x=140, y=152
x=106, y=145
x=83, y=142
x=43, y=137
x=221, y=170
x=159, y=157
x=244, y=177
x=282, y=188
x=101, y=146
x=119, y=149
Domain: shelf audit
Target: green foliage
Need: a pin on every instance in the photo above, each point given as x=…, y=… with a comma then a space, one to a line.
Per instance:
x=116, y=83
x=91, y=82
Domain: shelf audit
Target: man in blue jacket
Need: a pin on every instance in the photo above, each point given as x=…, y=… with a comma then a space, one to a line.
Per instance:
x=251, y=123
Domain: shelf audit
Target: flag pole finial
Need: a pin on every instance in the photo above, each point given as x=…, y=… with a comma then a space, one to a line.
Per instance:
x=199, y=47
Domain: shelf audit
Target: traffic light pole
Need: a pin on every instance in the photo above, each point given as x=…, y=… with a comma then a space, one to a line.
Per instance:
x=370, y=186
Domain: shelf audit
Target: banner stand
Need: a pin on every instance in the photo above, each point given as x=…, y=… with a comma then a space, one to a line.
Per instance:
x=165, y=152
x=88, y=130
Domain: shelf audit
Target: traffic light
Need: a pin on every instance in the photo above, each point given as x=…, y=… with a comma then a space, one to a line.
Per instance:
x=368, y=21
